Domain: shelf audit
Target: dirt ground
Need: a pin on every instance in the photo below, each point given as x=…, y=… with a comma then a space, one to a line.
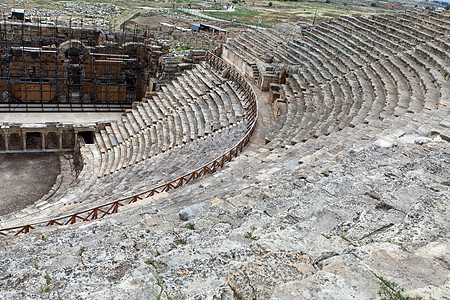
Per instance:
x=25, y=178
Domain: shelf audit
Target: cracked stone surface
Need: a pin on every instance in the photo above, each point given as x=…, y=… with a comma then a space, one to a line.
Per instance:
x=278, y=230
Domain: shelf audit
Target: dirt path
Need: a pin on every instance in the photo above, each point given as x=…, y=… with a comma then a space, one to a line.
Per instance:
x=25, y=178
x=123, y=18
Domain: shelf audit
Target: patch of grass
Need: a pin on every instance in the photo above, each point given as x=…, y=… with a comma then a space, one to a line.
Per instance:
x=44, y=238
x=47, y=280
x=180, y=242
x=191, y=226
x=239, y=15
x=184, y=47
x=150, y=262
x=325, y=174
x=250, y=235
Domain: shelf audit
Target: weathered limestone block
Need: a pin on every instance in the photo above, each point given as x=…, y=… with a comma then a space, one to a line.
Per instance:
x=256, y=279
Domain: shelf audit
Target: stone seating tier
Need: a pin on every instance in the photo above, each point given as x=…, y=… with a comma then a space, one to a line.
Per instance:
x=354, y=70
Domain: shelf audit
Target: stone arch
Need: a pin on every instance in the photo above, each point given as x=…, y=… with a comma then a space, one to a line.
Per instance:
x=51, y=140
x=74, y=50
x=15, y=141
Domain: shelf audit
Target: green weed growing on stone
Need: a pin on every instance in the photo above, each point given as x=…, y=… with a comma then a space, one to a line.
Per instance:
x=47, y=280
x=180, y=242
x=345, y=238
x=391, y=291
x=80, y=254
x=326, y=236
x=191, y=226
x=158, y=279
x=44, y=238
x=235, y=293
x=250, y=235
x=261, y=247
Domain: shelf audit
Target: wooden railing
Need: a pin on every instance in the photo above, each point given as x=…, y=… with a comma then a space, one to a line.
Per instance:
x=251, y=114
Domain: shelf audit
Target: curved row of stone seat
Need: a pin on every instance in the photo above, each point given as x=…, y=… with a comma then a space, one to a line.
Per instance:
x=161, y=168
x=151, y=143
x=424, y=49
x=317, y=165
x=358, y=80
x=372, y=78
x=421, y=25
x=189, y=107
x=327, y=96
x=390, y=74
x=397, y=103
x=418, y=106
x=316, y=157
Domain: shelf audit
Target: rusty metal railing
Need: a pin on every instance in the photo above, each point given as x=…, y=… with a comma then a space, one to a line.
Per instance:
x=98, y=212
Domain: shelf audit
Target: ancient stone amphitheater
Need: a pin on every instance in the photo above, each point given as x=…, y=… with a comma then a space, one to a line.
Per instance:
x=298, y=163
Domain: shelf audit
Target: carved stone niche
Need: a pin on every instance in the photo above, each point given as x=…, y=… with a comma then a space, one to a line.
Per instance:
x=33, y=140
x=2, y=142
x=51, y=140
x=15, y=141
